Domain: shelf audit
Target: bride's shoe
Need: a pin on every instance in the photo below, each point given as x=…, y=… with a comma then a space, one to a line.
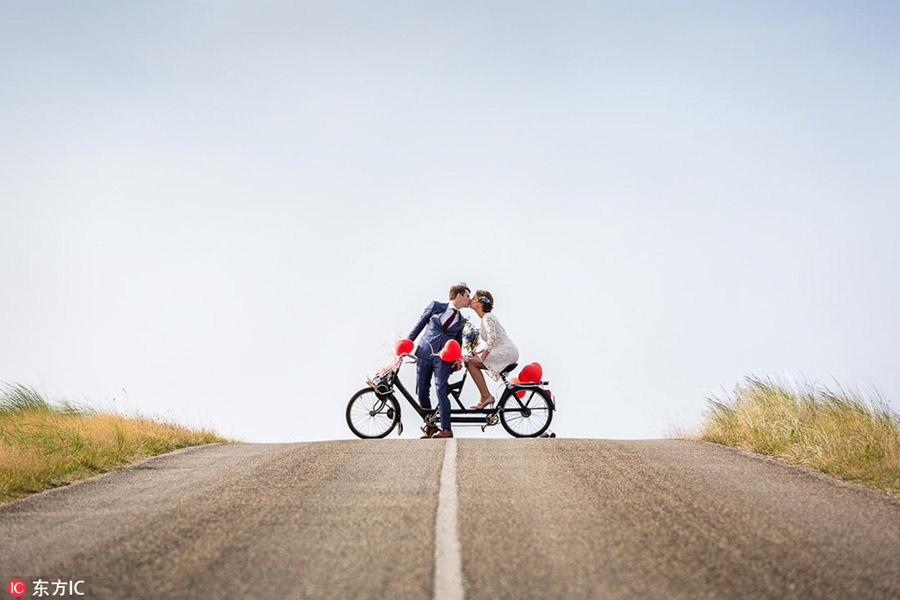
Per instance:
x=484, y=403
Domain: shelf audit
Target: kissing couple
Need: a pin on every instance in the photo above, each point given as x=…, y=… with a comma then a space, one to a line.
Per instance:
x=441, y=323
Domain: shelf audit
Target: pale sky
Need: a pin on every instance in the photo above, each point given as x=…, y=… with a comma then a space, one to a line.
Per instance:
x=224, y=213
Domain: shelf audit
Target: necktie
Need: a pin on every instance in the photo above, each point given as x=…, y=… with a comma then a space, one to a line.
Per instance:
x=451, y=319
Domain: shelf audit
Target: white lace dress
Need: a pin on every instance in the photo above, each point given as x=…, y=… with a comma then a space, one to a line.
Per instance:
x=501, y=351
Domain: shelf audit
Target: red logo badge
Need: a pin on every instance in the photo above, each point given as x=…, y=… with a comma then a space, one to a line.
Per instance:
x=17, y=587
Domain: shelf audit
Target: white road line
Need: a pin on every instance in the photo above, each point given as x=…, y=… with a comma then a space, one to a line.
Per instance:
x=448, y=584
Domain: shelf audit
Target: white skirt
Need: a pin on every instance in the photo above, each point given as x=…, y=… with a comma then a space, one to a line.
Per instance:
x=499, y=358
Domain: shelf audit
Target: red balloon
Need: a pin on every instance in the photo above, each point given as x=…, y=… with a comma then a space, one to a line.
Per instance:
x=451, y=351
x=521, y=394
x=531, y=373
x=404, y=346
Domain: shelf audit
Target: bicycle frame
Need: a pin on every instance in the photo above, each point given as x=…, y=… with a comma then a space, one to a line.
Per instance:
x=484, y=416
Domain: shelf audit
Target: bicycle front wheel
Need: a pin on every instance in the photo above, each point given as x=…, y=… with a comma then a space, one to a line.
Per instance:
x=370, y=416
x=528, y=416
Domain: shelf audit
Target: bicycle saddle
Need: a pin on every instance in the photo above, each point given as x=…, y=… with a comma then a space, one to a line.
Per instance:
x=508, y=369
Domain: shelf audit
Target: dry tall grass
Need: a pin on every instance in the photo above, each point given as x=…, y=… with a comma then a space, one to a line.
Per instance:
x=842, y=433
x=44, y=445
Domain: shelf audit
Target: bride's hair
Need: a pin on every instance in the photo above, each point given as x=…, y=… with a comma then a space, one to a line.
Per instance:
x=486, y=299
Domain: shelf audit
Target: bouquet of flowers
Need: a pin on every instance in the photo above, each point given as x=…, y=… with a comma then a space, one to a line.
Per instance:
x=471, y=337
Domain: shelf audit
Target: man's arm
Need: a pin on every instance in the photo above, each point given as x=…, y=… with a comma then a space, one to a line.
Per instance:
x=422, y=321
x=457, y=365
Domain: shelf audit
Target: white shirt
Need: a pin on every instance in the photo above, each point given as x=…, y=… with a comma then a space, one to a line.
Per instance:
x=447, y=314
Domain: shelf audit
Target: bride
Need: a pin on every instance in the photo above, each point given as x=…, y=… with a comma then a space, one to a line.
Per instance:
x=499, y=353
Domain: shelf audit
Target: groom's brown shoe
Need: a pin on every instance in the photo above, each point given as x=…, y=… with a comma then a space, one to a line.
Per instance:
x=429, y=431
x=444, y=433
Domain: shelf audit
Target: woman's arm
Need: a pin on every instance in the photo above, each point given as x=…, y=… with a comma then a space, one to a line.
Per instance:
x=491, y=334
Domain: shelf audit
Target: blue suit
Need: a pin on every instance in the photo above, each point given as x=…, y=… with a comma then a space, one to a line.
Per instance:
x=429, y=363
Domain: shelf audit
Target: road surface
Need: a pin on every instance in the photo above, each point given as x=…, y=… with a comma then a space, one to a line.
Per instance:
x=544, y=518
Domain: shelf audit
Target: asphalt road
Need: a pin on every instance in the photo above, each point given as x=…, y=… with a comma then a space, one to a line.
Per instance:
x=546, y=518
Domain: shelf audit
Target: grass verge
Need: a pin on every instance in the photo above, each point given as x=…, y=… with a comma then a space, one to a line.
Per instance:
x=838, y=432
x=44, y=445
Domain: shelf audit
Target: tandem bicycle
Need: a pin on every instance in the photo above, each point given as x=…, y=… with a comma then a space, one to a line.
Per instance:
x=523, y=409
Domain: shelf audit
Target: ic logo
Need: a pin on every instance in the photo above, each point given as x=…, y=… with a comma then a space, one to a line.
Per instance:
x=17, y=588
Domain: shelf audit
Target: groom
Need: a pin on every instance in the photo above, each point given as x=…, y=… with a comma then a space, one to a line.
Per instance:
x=442, y=322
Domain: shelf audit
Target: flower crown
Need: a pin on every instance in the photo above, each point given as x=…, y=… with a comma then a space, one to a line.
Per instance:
x=484, y=299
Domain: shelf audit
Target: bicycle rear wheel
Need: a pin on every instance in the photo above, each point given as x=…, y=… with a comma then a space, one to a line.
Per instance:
x=528, y=416
x=370, y=416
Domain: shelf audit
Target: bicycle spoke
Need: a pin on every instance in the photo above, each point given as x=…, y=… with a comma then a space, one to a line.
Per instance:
x=368, y=415
x=526, y=416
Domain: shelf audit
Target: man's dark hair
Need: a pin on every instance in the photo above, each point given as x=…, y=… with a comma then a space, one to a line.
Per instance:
x=458, y=289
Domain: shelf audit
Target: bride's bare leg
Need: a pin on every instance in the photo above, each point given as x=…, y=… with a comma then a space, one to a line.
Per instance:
x=475, y=366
